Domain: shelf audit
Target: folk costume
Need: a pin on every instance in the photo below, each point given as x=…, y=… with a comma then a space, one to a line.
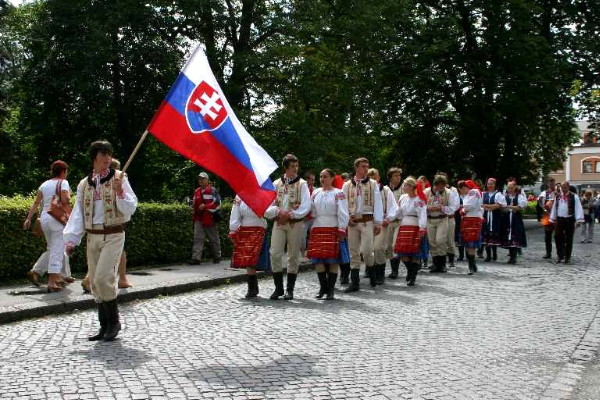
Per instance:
x=457, y=237
x=102, y=213
x=292, y=197
x=412, y=216
x=250, y=245
x=437, y=224
x=327, y=246
x=470, y=223
x=546, y=200
x=513, y=228
x=565, y=212
x=491, y=225
x=380, y=244
x=392, y=233
x=366, y=212
x=451, y=250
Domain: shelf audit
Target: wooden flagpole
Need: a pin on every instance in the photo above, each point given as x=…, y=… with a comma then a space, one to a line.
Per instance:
x=134, y=152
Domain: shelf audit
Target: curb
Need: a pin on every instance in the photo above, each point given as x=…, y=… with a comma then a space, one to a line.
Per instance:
x=61, y=307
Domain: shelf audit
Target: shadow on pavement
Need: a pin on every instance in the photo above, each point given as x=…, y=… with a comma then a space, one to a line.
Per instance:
x=115, y=355
x=341, y=303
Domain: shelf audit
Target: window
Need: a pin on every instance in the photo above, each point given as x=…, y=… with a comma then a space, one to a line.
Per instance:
x=586, y=167
x=598, y=167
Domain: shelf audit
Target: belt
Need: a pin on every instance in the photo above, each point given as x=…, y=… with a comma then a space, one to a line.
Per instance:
x=365, y=218
x=296, y=220
x=438, y=217
x=107, y=230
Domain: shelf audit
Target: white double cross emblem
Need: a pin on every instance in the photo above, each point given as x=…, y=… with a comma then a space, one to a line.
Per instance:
x=210, y=104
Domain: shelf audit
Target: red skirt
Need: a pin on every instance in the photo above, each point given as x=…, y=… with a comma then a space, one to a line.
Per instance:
x=247, y=244
x=323, y=243
x=470, y=229
x=408, y=240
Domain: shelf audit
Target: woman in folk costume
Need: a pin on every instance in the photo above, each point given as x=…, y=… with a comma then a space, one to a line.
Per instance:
x=513, y=229
x=471, y=220
x=250, y=245
x=327, y=246
x=493, y=202
x=412, y=214
x=424, y=261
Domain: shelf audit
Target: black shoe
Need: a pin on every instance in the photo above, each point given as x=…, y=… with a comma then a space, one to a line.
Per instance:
x=372, y=273
x=291, y=283
x=451, y=261
x=323, y=282
x=216, y=261
x=355, y=278
x=252, y=287
x=394, y=264
x=331, y=278
x=494, y=253
x=103, y=319
x=380, y=273
x=547, y=256
x=278, y=281
x=344, y=274
x=114, y=325
x=567, y=260
x=414, y=271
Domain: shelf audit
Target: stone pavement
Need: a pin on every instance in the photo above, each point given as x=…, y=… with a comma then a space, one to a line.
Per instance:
x=510, y=332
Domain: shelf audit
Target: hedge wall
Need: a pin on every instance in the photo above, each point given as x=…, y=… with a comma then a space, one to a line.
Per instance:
x=157, y=234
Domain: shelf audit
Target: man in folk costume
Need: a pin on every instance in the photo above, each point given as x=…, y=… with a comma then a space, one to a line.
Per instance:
x=366, y=216
x=105, y=202
x=565, y=213
x=441, y=205
x=546, y=201
x=395, y=186
x=293, y=204
x=380, y=243
x=451, y=246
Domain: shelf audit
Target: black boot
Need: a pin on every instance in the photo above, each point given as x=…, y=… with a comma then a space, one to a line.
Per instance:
x=355, y=278
x=380, y=273
x=451, y=260
x=488, y=254
x=443, y=264
x=372, y=273
x=394, y=264
x=513, y=255
x=480, y=252
x=331, y=278
x=278, y=281
x=103, y=319
x=548, y=240
x=114, y=325
x=494, y=253
x=439, y=264
x=472, y=267
x=461, y=253
x=323, y=282
x=344, y=274
x=291, y=283
x=252, y=287
x=408, y=266
x=366, y=275
x=414, y=270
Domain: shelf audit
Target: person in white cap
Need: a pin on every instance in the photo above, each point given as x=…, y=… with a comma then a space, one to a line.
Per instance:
x=207, y=204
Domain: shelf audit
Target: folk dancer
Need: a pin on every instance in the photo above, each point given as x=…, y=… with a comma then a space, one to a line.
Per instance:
x=412, y=216
x=380, y=243
x=545, y=201
x=395, y=186
x=471, y=220
x=493, y=202
x=104, y=203
x=441, y=205
x=327, y=247
x=250, y=246
x=458, y=219
x=513, y=229
x=292, y=205
x=566, y=212
x=455, y=199
x=366, y=215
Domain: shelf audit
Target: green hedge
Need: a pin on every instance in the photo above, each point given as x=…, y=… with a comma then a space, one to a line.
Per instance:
x=157, y=234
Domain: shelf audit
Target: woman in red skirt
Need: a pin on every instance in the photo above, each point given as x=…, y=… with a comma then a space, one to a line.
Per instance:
x=471, y=221
x=250, y=245
x=327, y=246
x=412, y=214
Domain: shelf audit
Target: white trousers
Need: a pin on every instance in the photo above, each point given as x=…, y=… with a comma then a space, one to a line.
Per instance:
x=380, y=245
x=103, y=256
x=437, y=233
x=280, y=236
x=360, y=240
x=53, y=232
x=41, y=265
x=451, y=227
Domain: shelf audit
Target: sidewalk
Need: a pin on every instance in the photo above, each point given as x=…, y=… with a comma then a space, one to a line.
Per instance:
x=27, y=301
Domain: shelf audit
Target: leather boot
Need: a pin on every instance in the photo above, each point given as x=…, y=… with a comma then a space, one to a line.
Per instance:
x=471, y=260
x=435, y=267
x=114, y=325
x=451, y=260
x=252, y=287
x=380, y=268
x=414, y=270
x=480, y=252
x=371, y=272
x=395, y=265
x=355, y=281
x=278, y=281
x=461, y=253
x=408, y=270
x=291, y=283
x=331, y=278
x=344, y=274
x=443, y=264
x=488, y=254
x=323, y=282
x=102, y=318
x=513, y=255
x=494, y=253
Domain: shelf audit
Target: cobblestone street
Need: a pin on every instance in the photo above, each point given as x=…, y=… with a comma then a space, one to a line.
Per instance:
x=509, y=332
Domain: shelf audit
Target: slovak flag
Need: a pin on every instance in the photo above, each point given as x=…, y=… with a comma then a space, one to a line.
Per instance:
x=196, y=121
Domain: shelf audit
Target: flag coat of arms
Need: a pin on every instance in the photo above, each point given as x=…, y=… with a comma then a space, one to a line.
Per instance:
x=196, y=120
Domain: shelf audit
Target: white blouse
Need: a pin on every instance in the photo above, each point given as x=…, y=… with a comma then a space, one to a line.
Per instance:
x=329, y=209
x=412, y=211
x=242, y=215
x=472, y=204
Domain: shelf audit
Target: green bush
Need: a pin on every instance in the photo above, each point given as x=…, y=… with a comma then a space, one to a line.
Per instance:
x=157, y=234
x=530, y=208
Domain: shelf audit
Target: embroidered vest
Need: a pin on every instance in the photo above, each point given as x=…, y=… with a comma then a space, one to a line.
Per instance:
x=292, y=190
x=513, y=202
x=570, y=204
x=384, y=194
x=112, y=216
x=442, y=199
x=368, y=195
x=397, y=192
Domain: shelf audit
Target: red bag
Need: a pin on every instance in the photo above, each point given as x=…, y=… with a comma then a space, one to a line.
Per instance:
x=58, y=210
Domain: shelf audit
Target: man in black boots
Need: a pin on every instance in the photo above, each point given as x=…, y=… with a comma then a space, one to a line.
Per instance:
x=105, y=202
x=566, y=212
